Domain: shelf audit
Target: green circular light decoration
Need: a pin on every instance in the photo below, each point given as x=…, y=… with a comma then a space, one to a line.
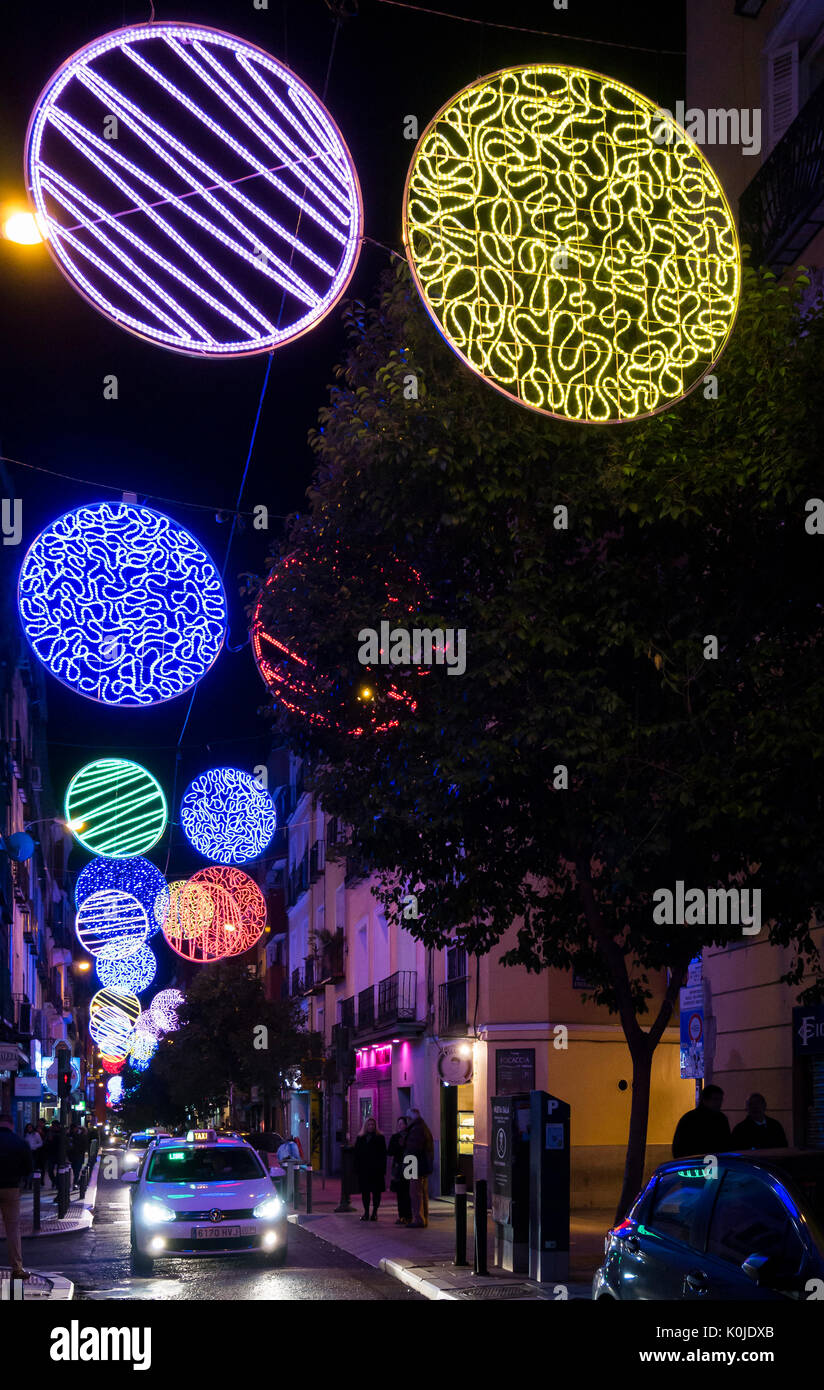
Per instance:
x=115, y=807
x=572, y=244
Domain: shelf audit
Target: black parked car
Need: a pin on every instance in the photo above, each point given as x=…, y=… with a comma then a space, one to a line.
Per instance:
x=750, y=1226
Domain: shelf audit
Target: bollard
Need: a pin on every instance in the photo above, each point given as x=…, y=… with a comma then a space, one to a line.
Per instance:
x=308, y=1191
x=290, y=1183
x=346, y=1177
x=460, y=1221
x=481, y=1266
x=83, y=1181
x=35, y=1190
x=64, y=1179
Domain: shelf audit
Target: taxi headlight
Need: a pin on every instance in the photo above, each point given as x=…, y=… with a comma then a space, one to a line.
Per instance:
x=154, y=1213
x=269, y=1208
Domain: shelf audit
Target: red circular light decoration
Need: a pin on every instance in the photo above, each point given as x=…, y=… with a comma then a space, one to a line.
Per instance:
x=112, y=1065
x=295, y=684
x=202, y=923
x=244, y=892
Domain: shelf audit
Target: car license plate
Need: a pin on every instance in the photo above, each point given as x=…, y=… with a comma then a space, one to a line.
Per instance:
x=216, y=1232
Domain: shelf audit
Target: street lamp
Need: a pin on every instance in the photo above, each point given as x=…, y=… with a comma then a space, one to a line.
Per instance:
x=21, y=227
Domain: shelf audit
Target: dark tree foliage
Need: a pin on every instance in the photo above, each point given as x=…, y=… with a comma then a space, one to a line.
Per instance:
x=586, y=651
x=231, y=1038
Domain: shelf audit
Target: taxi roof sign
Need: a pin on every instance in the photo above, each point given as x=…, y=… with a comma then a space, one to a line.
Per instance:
x=201, y=1136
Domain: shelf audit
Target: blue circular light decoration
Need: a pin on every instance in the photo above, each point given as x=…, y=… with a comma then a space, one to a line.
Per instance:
x=122, y=604
x=134, y=974
x=227, y=816
x=137, y=876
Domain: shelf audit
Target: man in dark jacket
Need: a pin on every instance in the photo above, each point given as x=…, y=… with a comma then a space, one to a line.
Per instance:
x=759, y=1130
x=15, y=1164
x=704, y=1130
x=419, y=1143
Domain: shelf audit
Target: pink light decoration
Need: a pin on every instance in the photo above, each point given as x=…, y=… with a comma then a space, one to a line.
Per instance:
x=244, y=892
x=369, y=1057
x=194, y=189
x=201, y=926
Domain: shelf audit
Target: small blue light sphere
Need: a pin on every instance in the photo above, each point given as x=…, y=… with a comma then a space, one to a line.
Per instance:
x=138, y=876
x=134, y=974
x=122, y=604
x=227, y=816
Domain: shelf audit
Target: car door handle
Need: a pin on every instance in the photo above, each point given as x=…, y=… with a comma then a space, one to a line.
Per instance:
x=697, y=1281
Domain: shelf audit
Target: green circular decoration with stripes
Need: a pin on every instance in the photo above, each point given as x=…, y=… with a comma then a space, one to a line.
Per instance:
x=116, y=807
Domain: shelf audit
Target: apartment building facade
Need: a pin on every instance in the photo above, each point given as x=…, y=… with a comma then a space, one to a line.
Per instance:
x=41, y=998
x=403, y=1024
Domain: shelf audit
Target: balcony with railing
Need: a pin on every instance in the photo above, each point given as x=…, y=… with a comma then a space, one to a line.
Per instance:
x=317, y=860
x=332, y=958
x=390, y=1008
x=782, y=209
x=452, y=1000
x=311, y=974
x=297, y=981
x=347, y=1013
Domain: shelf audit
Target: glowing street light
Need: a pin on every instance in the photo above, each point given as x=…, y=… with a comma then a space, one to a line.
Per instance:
x=22, y=228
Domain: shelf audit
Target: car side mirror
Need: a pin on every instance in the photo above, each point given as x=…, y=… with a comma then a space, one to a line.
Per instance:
x=758, y=1268
x=131, y=1176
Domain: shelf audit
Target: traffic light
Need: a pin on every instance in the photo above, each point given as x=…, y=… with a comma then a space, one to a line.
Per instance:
x=64, y=1080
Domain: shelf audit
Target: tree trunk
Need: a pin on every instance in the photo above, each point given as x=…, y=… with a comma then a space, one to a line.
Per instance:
x=642, y=1055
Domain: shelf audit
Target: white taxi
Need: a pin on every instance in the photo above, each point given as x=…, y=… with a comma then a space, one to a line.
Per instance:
x=204, y=1194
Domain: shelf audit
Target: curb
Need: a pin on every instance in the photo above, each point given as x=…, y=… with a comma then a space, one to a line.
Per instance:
x=83, y=1222
x=61, y=1291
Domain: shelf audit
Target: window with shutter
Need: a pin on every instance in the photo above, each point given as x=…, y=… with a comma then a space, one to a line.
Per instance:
x=783, y=73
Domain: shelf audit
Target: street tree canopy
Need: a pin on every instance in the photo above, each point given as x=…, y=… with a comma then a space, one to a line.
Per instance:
x=644, y=664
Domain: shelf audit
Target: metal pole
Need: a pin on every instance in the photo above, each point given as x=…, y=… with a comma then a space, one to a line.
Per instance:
x=35, y=1190
x=480, y=1266
x=308, y=1191
x=460, y=1221
x=345, y=1178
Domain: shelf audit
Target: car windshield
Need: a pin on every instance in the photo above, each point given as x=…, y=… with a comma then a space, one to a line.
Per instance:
x=204, y=1165
x=140, y=1141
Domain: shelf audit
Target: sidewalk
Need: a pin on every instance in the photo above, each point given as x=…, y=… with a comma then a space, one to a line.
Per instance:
x=79, y=1216
x=422, y=1259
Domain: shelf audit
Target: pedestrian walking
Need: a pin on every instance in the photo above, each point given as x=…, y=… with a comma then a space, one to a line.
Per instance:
x=15, y=1165
x=420, y=1146
x=398, y=1183
x=759, y=1130
x=35, y=1143
x=92, y=1140
x=76, y=1152
x=51, y=1149
x=370, y=1166
x=704, y=1130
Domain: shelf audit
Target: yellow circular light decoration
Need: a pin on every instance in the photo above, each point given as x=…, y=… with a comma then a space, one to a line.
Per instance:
x=572, y=244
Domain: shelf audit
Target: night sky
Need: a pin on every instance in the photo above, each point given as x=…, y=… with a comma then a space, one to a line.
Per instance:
x=181, y=426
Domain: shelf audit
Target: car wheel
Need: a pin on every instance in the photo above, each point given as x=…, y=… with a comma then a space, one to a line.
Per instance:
x=141, y=1264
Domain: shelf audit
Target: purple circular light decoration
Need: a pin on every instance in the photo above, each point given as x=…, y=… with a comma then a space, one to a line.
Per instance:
x=147, y=1024
x=194, y=189
x=164, y=1007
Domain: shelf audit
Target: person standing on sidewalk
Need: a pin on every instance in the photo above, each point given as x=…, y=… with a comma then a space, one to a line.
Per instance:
x=420, y=1145
x=397, y=1182
x=15, y=1163
x=51, y=1149
x=76, y=1152
x=370, y=1166
x=32, y=1138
